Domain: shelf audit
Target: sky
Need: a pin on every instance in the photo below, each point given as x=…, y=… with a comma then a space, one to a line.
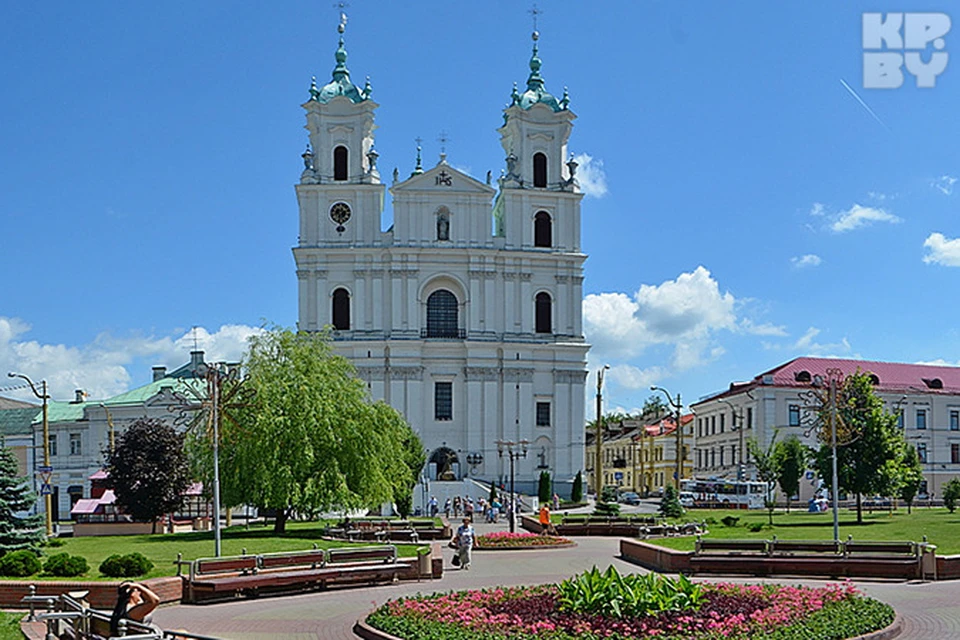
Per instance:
x=748, y=199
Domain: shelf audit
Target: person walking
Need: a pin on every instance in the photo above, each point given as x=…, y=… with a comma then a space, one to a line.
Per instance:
x=464, y=542
x=446, y=508
x=434, y=506
x=546, y=527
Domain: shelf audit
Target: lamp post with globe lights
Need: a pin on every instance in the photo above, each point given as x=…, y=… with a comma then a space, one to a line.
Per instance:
x=514, y=451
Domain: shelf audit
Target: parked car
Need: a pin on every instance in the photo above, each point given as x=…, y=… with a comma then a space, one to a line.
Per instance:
x=686, y=499
x=629, y=497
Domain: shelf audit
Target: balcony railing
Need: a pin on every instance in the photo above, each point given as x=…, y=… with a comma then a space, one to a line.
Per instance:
x=443, y=332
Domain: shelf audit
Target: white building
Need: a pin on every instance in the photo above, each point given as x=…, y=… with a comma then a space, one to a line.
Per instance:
x=926, y=397
x=465, y=315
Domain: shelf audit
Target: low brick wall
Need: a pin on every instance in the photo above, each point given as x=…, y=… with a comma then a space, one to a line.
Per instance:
x=948, y=567
x=103, y=595
x=84, y=529
x=651, y=556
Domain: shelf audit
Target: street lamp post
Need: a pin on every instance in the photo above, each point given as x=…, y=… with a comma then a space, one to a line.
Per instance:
x=507, y=447
x=45, y=397
x=677, y=406
x=598, y=466
x=738, y=420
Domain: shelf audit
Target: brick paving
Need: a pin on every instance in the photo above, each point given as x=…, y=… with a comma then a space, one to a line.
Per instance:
x=930, y=610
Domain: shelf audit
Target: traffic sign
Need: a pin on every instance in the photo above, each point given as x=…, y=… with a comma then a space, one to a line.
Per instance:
x=46, y=489
x=618, y=475
x=44, y=469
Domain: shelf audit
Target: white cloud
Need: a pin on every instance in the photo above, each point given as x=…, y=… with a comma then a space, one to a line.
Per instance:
x=766, y=329
x=101, y=368
x=808, y=260
x=817, y=209
x=684, y=313
x=631, y=377
x=807, y=343
x=859, y=216
x=944, y=184
x=590, y=175
x=939, y=362
x=942, y=250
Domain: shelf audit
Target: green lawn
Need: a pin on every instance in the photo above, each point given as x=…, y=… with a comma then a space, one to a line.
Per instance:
x=10, y=626
x=162, y=549
x=939, y=525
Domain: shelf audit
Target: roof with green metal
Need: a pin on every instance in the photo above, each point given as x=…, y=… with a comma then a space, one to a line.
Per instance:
x=536, y=92
x=71, y=411
x=17, y=421
x=340, y=85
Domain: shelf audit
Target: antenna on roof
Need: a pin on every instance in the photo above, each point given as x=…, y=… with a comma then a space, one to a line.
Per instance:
x=196, y=342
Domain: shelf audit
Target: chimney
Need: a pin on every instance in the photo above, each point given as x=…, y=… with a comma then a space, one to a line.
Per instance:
x=196, y=359
x=159, y=372
x=78, y=396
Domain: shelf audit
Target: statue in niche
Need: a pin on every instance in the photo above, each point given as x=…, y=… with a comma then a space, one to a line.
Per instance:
x=443, y=227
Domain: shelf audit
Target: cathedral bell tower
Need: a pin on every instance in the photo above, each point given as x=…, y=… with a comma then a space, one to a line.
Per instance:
x=340, y=193
x=539, y=203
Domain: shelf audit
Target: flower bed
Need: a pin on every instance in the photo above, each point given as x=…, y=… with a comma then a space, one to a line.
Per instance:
x=507, y=540
x=772, y=612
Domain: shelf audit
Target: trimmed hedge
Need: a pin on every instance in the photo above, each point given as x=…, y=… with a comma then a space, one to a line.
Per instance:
x=128, y=566
x=19, y=564
x=65, y=565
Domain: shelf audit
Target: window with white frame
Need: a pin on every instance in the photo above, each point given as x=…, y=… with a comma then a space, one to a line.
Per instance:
x=52, y=440
x=793, y=415
x=954, y=420
x=75, y=444
x=921, y=418
x=443, y=401
x=543, y=414
x=922, y=452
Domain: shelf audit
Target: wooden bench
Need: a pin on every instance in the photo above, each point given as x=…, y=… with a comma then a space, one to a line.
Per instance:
x=897, y=550
x=291, y=570
x=733, y=547
x=806, y=547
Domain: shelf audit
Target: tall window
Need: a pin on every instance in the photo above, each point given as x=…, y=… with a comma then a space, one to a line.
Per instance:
x=749, y=417
x=900, y=418
x=721, y=455
x=75, y=446
x=52, y=440
x=442, y=315
x=544, y=322
x=713, y=426
x=539, y=170
x=340, y=163
x=955, y=420
x=543, y=414
x=793, y=417
x=922, y=452
x=921, y=418
x=341, y=309
x=954, y=453
x=723, y=420
x=443, y=401
x=542, y=230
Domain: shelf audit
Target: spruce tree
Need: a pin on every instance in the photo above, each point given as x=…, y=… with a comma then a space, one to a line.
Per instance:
x=16, y=532
x=543, y=489
x=576, y=495
x=670, y=506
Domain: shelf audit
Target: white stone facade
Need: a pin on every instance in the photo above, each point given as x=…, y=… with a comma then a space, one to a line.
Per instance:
x=466, y=314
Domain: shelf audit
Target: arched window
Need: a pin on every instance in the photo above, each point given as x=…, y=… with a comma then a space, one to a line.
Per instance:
x=539, y=170
x=443, y=225
x=340, y=163
x=543, y=311
x=442, y=310
x=341, y=309
x=542, y=230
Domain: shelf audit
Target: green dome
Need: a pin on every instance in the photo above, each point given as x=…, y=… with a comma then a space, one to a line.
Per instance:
x=340, y=85
x=536, y=92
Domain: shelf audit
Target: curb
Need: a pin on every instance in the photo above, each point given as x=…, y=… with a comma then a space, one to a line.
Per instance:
x=367, y=632
x=894, y=630
x=565, y=545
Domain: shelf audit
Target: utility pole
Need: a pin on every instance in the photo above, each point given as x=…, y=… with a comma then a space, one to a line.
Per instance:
x=45, y=397
x=598, y=467
x=678, y=431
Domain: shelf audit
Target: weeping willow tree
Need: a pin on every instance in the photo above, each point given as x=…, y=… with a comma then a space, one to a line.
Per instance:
x=307, y=436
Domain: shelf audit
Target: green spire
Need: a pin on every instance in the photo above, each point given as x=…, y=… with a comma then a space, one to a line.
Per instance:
x=535, y=82
x=419, y=168
x=340, y=72
x=536, y=92
x=340, y=85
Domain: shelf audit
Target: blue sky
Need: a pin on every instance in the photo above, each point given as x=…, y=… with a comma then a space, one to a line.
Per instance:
x=743, y=207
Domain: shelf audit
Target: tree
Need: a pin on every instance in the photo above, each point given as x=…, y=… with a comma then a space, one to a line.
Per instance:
x=951, y=493
x=869, y=447
x=911, y=475
x=653, y=407
x=766, y=463
x=543, y=489
x=791, y=461
x=670, y=506
x=576, y=494
x=148, y=470
x=310, y=438
x=16, y=532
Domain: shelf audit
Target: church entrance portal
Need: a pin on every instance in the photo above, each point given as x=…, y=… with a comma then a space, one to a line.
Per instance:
x=444, y=464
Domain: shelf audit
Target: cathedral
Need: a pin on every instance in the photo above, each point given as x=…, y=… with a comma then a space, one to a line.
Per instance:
x=465, y=315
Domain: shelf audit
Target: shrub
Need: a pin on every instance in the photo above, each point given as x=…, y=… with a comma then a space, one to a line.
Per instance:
x=576, y=495
x=730, y=521
x=543, y=487
x=608, y=509
x=128, y=566
x=19, y=564
x=613, y=595
x=951, y=493
x=55, y=542
x=709, y=520
x=609, y=494
x=755, y=527
x=670, y=506
x=65, y=565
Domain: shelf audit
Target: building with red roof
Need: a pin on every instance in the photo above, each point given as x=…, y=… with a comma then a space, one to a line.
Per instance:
x=927, y=398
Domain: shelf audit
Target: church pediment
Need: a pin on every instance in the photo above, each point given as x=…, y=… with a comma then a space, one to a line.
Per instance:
x=442, y=179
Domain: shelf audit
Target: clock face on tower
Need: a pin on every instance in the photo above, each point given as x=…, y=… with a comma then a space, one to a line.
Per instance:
x=340, y=213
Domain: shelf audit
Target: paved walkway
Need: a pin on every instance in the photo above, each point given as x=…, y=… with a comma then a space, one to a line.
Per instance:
x=930, y=610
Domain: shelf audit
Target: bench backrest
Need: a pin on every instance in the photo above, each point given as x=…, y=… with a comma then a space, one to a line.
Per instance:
x=760, y=546
x=815, y=546
x=386, y=553
x=314, y=558
x=205, y=566
x=881, y=548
